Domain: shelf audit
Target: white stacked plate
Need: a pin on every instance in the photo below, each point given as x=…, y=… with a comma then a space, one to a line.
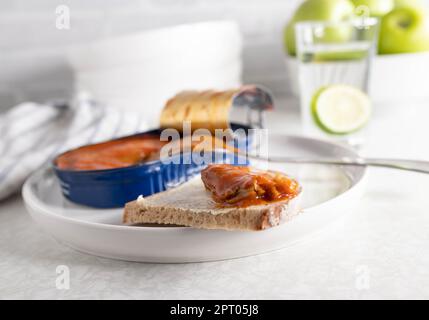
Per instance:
x=141, y=71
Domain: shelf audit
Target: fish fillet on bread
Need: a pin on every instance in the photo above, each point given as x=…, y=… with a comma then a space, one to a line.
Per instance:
x=223, y=197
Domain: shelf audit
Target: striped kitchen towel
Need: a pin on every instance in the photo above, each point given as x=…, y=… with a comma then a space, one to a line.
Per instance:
x=32, y=134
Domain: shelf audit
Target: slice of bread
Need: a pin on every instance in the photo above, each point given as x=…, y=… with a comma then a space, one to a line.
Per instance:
x=191, y=205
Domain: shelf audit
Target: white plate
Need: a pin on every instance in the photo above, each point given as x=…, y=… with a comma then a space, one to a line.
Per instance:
x=329, y=193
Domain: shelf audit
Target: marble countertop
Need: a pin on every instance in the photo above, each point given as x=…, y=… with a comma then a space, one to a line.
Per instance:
x=381, y=250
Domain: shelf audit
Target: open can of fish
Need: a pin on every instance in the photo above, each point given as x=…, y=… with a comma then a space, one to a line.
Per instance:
x=110, y=187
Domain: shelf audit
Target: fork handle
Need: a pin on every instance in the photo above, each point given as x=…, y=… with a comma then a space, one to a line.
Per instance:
x=399, y=164
x=409, y=165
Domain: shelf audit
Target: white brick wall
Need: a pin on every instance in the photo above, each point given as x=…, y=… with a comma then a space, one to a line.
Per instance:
x=31, y=47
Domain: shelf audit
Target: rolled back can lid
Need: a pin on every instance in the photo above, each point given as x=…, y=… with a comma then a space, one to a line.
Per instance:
x=210, y=109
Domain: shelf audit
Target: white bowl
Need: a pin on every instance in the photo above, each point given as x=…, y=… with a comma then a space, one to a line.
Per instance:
x=142, y=71
x=393, y=77
x=137, y=90
x=119, y=80
x=197, y=43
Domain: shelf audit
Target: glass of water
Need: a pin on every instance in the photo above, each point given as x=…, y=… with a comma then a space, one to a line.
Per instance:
x=334, y=70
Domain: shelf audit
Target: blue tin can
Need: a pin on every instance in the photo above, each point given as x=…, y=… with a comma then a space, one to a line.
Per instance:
x=110, y=188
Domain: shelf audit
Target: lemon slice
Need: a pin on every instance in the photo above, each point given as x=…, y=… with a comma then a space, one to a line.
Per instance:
x=341, y=109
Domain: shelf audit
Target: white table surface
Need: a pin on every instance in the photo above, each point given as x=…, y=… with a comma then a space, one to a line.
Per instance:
x=381, y=250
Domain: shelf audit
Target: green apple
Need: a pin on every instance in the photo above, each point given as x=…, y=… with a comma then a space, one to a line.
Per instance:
x=316, y=10
x=408, y=3
x=377, y=8
x=405, y=29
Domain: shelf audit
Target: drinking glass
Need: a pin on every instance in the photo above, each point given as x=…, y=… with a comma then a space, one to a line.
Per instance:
x=334, y=54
